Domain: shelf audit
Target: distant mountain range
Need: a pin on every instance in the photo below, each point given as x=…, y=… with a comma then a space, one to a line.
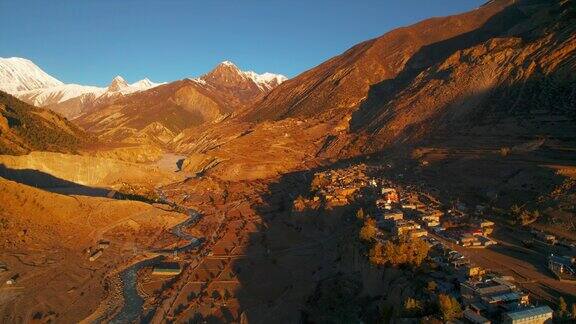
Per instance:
x=28, y=82
x=157, y=115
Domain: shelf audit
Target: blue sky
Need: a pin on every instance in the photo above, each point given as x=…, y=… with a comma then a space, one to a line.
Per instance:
x=91, y=41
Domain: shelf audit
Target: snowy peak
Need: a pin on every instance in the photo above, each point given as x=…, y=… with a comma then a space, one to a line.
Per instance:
x=267, y=79
x=144, y=83
x=117, y=84
x=18, y=74
x=229, y=75
x=25, y=80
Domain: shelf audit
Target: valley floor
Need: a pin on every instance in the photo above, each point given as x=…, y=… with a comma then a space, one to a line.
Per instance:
x=261, y=259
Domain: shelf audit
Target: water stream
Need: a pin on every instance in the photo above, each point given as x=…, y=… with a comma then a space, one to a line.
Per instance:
x=133, y=302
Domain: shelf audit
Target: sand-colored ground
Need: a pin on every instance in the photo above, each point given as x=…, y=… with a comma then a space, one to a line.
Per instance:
x=84, y=170
x=260, y=262
x=45, y=242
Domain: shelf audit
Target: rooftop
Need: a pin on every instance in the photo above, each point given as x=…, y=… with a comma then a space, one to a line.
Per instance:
x=530, y=313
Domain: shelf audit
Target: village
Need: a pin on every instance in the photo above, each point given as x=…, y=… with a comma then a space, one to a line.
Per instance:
x=454, y=235
x=463, y=260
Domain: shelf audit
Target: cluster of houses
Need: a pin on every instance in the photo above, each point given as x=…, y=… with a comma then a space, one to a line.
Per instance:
x=486, y=297
x=390, y=216
x=340, y=186
x=461, y=228
x=497, y=298
x=455, y=226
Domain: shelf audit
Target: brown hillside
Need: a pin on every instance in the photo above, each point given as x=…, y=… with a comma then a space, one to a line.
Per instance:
x=343, y=81
x=158, y=114
x=24, y=128
x=505, y=90
x=484, y=73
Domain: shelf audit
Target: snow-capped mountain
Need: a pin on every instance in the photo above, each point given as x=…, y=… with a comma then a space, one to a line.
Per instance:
x=25, y=80
x=227, y=73
x=120, y=86
x=226, y=83
x=61, y=93
x=57, y=94
x=189, y=103
x=18, y=74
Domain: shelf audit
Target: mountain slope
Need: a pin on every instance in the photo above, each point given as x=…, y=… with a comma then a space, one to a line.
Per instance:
x=340, y=83
x=159, y=114
x=18, y=74
x=24, y=128
x=414, y=84
x=521, y=80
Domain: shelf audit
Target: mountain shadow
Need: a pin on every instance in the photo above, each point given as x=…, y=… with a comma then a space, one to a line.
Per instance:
x=48, y=182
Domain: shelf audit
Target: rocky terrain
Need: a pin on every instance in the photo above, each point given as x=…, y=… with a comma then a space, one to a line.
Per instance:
x=24, y=128
x=498, y=78
x=158, y=115
x=476, y=107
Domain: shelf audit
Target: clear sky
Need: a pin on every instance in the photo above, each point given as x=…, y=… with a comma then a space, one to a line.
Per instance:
x=91, y=41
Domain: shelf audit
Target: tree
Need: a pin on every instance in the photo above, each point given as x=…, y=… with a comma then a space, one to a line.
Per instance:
x=562, y=307
x=412, y=307
x=449, y=307
x=360, y=214
x=573, y=311
x=505, y=151
x=409, y=252
x=369, y=230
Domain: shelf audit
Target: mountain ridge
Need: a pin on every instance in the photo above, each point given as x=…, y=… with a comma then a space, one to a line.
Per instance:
x=179, y=105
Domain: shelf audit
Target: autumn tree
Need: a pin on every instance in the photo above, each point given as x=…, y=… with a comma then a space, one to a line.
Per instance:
x=449, y=307
x=412, y=307
x=407, y=252
x=360, y=214
x=319, y=182
x=562, y=307
x=368, y=231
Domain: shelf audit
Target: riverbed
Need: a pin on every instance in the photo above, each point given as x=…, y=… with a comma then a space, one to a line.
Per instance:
x=133, y=302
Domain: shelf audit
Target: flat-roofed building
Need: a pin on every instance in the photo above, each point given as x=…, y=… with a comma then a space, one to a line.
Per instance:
x=402, y=227
x=393, y=215
x=167, y=269
x=474, y=290
x=533, y=315
x=471, y=270
x=562, y=266
x=416, y=233
x=390, y=195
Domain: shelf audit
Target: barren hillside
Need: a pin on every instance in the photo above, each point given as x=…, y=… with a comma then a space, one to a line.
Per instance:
x=24, y=128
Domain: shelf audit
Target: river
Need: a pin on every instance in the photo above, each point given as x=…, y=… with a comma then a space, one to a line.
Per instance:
x=133, y=302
